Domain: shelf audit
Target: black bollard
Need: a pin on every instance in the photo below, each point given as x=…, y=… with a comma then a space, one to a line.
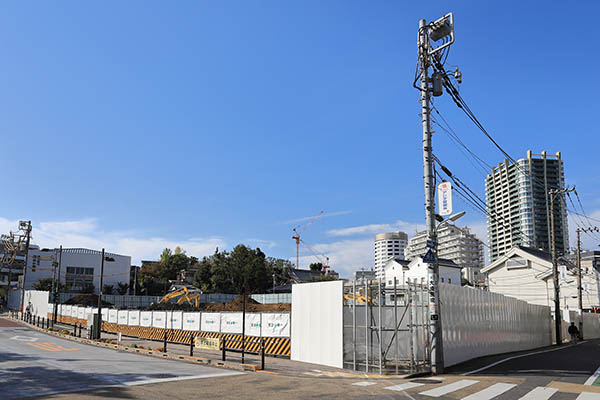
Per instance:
x=262, y=353
x=43, y=323
x=74, y=330
x=165, y=342
x=223, y=347
x=79, y=331
x=191, y=345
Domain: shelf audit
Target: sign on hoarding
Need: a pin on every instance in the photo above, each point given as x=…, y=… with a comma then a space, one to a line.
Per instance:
x=445, y=199
x=207, y=343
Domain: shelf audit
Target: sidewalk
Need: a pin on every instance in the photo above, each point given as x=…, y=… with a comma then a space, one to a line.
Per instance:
x=275, y=365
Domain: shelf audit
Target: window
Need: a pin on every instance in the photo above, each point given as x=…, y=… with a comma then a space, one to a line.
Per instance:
x=449, y=280
x=79, y=279
x=442, y=279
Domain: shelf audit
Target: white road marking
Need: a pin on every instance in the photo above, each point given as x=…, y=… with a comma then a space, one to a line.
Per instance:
x=490, y=392
x=449, y=388
x=24, y=338
x=364, y=383
x=539, y=393
x=592, y=378
x=180, y=378
x=404, y=386
x=588, y=396
x=519, y=356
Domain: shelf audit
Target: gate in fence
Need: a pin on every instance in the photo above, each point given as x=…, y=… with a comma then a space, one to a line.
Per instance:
x=386, y=326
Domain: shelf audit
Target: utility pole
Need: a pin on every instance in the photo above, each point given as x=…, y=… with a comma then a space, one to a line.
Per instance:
x=57, y=287
x=99, y=327
x=579, y=284
x=440, y=29
x=557, y=317
x=27, y=226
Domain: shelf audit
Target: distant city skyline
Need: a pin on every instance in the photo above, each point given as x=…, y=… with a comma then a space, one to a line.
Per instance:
x=212, y=124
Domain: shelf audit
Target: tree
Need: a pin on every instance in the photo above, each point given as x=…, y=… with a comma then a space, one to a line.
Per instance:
x=202, y=277
x=316, y=267
x=277, y=268
x=43, y=284
x=122, y=288
x=108, y=289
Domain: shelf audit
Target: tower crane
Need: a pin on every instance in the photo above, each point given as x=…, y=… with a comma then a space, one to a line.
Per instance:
x=319, y=256
x=297, y=231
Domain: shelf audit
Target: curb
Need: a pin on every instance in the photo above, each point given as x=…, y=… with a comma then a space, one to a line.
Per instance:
x=146, y=352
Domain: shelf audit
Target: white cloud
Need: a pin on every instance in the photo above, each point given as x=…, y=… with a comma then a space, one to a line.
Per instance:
x=399, y=225
x=325, y=215
x=345, y=256
x=269, y=244
x=85, y=233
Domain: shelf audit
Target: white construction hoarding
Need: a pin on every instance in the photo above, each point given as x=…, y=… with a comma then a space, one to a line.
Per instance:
x=159, y=319
x=231, y=322
x=174, y=319
x=146, y=319
x=191, y=321
x=275, y=325
x=134, y=318
x=253, y=324
x=317, y=323
x=113, y=316
x=211, y=322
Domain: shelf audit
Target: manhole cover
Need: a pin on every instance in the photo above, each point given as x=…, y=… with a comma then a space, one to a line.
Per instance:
x=426, y=381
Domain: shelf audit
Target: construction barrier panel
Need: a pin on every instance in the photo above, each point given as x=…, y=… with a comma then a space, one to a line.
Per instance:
x=253, y=324
x=159, y=319
x=174, y=319
x=275, y=324
x=211, y=322
x=191, y=321
x=230, y=322
x=183, y=327
x=112, y=316
x=123, y=317
x=146, y=319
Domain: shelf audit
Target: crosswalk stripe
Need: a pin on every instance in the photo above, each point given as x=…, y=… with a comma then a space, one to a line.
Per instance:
x=449, y=388
x=539, y=393
x=491, y=392
x=404, y=386
x=364, y=383
x=588, y=396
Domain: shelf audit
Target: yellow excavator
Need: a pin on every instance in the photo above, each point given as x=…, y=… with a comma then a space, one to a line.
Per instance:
x=358, y=298
x=183, y=295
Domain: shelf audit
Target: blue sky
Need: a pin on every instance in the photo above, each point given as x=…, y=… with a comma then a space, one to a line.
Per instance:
x=140, y=125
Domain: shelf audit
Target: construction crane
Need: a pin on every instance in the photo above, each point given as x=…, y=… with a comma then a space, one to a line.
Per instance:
x=297, y=231
x=319, y=256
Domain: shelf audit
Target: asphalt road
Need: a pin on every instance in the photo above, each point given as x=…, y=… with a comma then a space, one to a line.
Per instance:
x=34, y=364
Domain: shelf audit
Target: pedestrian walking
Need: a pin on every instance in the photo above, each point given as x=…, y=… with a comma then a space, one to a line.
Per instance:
x=574, y=332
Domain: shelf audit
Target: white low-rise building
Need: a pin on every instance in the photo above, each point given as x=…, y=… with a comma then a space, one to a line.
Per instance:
x=416, y=269
x=526, y=274
x=79, y=268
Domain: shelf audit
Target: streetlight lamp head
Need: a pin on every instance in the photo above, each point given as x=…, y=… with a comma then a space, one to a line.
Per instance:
x=456, y=216
x=440, y=29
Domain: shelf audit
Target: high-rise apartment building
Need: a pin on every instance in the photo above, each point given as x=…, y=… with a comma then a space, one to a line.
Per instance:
x=456, y=244
x=518, y=204
x=388, y=245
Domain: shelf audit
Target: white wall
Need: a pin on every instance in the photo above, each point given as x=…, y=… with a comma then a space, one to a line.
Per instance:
x=38, y=300
x=478, y=323
x=418, y=270
x=114, y=271
x=317, y=323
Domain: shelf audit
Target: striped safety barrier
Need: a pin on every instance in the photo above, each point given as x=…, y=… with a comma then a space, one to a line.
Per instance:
x=274, y=346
